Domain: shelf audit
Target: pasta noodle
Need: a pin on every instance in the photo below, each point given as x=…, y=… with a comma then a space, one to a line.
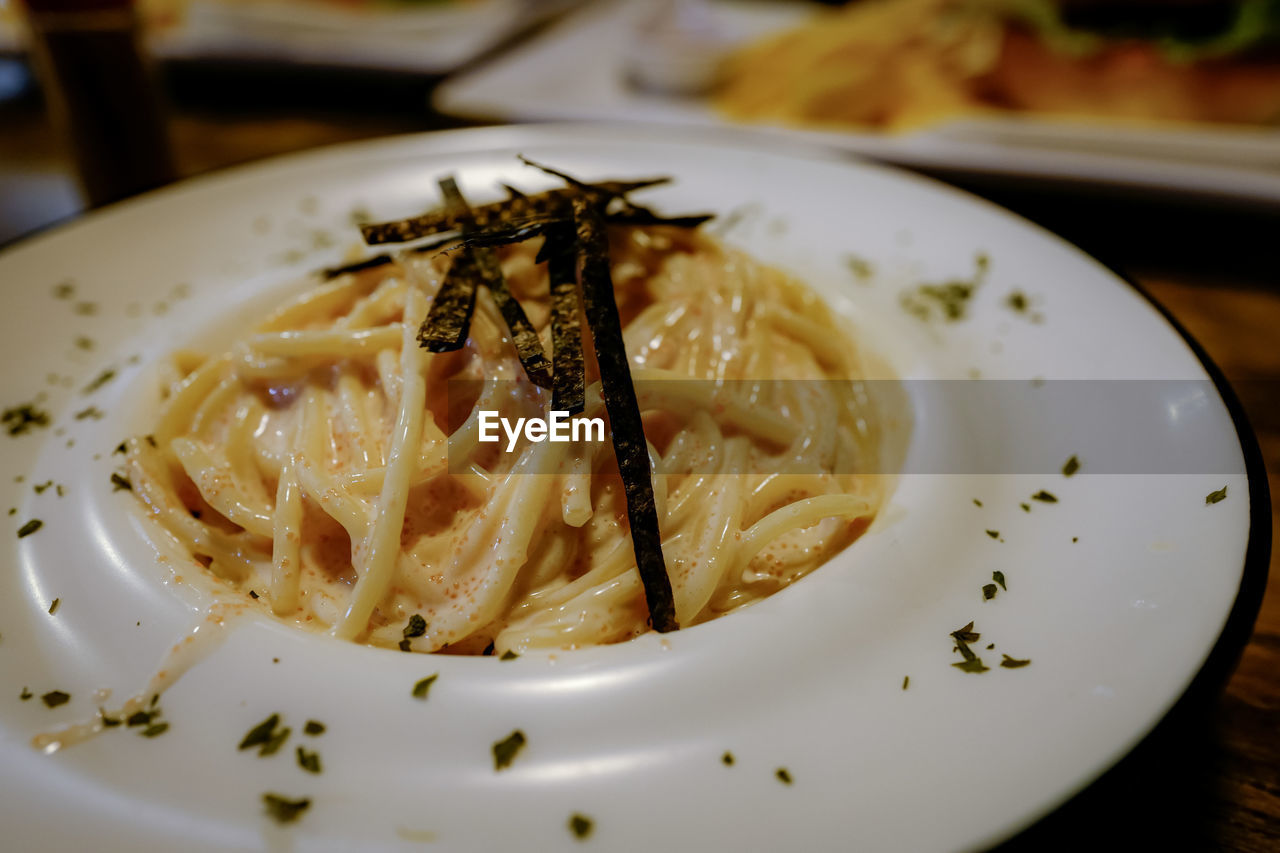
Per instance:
x=335, y=468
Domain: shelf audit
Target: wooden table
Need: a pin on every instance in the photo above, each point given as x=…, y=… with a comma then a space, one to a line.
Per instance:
x=1209, y=778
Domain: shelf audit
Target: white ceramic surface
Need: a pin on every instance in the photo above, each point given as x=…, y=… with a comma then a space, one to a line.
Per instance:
x=1115, y=624
x=544, y=79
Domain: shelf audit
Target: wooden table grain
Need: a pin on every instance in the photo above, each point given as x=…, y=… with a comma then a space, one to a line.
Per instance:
x=1209, y=777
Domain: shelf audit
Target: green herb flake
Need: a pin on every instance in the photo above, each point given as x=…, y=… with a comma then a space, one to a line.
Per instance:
x=308, y=761
x=504, y=751
x=1026, y=507
x=1014, y=663
x=272, y=746
x=580, y=826
x=1215, y=497
x=259, y=734
x=53, y=606
x=101, y=379
x=1071, y=466
x=41, y=488
x=508, y=655
x=284, y=810
x=416, y=628
x=30, y=527
x=948, y=300
x=25, y=694
x=154, y=730
x=91, y=413
x=120, y=483
x=122, y=447
x=962, y=638
x=974, y=665
x=998, y=577
x=84, y=343
x=64, y=289
x=784, y=775
x=21, y=419
x=977, y=502
x=988, y=591
x=420, y=689
x=140, y=718
x=108, y=722
x=1044, y=497
x=313, y=728
x=861, y=268
x=727, y=759
x=906, y=680
x=994, y=534
x=1017, y=301
x=54, y=698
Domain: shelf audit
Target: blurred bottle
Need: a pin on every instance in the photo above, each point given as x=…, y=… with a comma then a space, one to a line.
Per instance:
x=101, y=94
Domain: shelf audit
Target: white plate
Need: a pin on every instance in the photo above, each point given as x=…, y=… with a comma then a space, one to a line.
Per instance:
x=575, y=72
x=1116, y=625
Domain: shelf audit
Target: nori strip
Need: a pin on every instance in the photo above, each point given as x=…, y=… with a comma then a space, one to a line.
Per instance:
x=624, y=412
x=446, y=324
x=526, y=341
x=380, y=260
x=568, y=373
x=551, y=203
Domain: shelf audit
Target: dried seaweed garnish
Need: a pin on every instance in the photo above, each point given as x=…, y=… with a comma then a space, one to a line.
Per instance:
x=447, y=322
x=568, y=393
x=504, y=751
x=528, y=346
x=619, y=394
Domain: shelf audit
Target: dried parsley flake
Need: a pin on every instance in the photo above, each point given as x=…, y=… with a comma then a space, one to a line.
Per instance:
x=30, y=527
x=504, y=751
x=1013, y=663
x=54, y=698
x=998, y=577
x=420, y=689
x=308, y=761
x=580, y=826
x=1215, y=497
x=1071, y=466
x=283, y=809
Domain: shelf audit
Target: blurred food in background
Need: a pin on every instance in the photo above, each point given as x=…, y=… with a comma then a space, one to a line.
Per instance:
x=903, y=64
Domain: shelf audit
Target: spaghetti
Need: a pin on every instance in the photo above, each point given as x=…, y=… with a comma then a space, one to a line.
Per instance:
x=332, y=467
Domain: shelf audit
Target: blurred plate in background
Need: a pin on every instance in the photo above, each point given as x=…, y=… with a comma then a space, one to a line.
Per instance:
x=575, y=71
